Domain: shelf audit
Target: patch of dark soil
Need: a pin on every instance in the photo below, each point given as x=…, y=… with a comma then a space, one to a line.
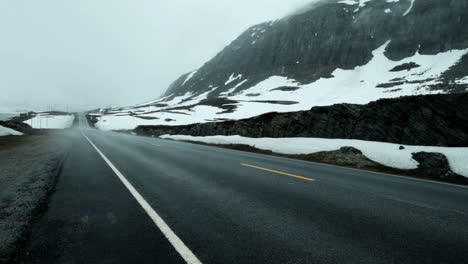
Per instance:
x=8, y=142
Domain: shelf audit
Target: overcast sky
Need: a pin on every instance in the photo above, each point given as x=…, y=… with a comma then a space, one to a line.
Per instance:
x=90, y=53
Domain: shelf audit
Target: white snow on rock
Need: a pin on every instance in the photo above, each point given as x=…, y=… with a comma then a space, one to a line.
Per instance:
x=5, y=131
x=362, y=3
x=410, y=8
x=266, y=86
x=355, y=86
x=233, y=78
x=233, y=89
x=387, y=154
x=189, y=77
x=47, y=121
x=349, y=2
x=462, y=80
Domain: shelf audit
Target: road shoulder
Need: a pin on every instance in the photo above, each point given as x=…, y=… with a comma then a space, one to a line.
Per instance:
x=29, y=166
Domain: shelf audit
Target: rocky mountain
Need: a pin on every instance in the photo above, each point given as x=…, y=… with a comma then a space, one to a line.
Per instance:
x=335, y=34
x=330, y=52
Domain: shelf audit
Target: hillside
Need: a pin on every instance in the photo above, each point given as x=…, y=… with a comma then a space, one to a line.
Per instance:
x=432, y=120
x=330, y=52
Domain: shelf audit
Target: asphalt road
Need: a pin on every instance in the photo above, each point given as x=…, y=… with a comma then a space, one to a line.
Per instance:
x=144, y=200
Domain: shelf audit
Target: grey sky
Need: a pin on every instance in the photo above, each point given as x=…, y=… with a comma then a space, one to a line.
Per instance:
x=89, y=53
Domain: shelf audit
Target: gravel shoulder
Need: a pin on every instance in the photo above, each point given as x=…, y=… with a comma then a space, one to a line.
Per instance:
x=29, y=166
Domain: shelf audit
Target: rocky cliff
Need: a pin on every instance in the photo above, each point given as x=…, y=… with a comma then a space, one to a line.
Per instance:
x=433, y=120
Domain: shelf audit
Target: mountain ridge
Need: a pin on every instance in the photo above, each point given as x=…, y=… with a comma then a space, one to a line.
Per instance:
x=335, y=52
x=406, y=41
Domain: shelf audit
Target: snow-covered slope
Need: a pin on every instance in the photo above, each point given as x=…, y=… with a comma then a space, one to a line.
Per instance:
x=349, y=51
x=5, y=131
x=49, y=121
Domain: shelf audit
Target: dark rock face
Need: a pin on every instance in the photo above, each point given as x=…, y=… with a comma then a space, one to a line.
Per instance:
x=405, y=67
x=330, y=35
x=433, y=120
x=345, y=156
x=434, y=165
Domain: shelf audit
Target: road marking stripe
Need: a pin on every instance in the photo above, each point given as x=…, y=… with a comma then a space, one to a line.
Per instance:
x=176, y=242
x=156, y=145
x=320, y=164
x=279, y=172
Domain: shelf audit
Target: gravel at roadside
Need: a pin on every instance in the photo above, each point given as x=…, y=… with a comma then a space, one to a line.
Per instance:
x=29, y=166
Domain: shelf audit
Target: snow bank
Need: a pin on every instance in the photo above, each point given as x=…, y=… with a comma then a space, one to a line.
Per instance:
x=387, y=154
x=5, y=131
x=46, y=121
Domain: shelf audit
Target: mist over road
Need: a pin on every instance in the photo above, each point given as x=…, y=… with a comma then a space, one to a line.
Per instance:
x=129, y=199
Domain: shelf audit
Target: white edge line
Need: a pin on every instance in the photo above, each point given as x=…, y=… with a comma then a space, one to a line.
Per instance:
x=317, y=163
x=176, y=242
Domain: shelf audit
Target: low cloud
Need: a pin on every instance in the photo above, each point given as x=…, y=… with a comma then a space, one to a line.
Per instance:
x=85, y=54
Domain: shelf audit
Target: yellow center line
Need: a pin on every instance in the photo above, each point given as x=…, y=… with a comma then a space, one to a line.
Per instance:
x=156, y=145
x=279, y=172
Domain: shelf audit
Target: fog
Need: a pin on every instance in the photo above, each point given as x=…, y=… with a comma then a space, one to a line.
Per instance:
x=84, y=54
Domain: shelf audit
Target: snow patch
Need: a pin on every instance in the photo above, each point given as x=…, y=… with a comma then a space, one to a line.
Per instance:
x=462, y=80
x=5, y=131
x=46, y=121
x=189, y=77
x=266, y=86
x=349, y=2
x=233, y=78
x=234, y=88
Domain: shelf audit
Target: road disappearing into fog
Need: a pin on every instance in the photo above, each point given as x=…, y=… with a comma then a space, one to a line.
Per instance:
x=128, y=199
